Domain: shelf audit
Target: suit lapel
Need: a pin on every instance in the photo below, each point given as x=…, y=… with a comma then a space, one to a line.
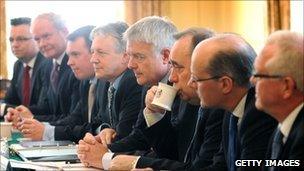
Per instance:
x=20, y=81
x=34, y=74
x=293, y=133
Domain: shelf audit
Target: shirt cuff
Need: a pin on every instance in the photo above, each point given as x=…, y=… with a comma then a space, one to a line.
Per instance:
x=101, y=127
x=152, y=118
x=134, y=163
x=49, y=132
x=2, y=108
x=106, y=160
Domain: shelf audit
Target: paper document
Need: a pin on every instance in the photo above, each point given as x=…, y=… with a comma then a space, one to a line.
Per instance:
x=42, y=152
x=54, y=166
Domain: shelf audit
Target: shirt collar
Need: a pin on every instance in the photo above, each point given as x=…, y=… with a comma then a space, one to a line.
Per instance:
x=286, y=125
x=31, y=63
x=59, y=60
x=240, y=108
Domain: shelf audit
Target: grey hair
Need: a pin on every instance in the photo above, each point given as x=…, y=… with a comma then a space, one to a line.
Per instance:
x=114, y=30
x=56, y=19
x=234, y=58
x=153, y=30
x=198, y=35
x=289, y=56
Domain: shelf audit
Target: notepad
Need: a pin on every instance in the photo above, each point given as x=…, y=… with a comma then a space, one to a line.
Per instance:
x=45, y=143
x=34, y=153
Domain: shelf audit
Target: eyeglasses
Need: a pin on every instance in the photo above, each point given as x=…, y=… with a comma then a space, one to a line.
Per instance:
x=193, y=79
x=266, y=76
x=19, y=39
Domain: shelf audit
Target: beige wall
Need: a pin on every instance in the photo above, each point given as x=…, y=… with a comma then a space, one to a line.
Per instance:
x=247, y=18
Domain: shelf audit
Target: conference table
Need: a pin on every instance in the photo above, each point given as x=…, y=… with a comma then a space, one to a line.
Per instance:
x=11, y=161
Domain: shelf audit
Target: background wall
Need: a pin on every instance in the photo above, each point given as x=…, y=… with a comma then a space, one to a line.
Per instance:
x=247, y=18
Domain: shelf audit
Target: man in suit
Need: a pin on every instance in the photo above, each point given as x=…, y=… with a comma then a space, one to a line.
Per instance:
x=62, y=93
x=120, y=100
x=110, y=66
x=196, y=136
x=26, y=85
x=78, y=50
x=148, y=46
x=220, y=71
x=280, y=93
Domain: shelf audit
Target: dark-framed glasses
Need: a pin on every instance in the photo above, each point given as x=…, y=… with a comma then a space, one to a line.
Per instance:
x=266, y=76
x=194, y=79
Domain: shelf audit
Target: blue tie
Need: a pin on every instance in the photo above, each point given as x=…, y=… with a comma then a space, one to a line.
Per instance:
x=232, y=148
x=277, y=144
x=198, y=122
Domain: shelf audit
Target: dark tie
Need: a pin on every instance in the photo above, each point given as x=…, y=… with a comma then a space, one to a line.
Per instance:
x=55, y=76
x=26, y=86
x=232, y=146
x=111, y=91
x=277, y=144
x=198, y=123
x=91, y=99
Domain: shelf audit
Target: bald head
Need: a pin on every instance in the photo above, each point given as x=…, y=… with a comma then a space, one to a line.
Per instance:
x=225, y=55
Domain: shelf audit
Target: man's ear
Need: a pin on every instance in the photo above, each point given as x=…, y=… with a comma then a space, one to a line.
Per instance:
x=227, y=84
x=165, y=53
x=289, y=87
x=125, y=58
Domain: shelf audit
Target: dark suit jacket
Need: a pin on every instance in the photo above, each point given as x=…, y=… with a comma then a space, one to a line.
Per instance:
x=136, y=140
x=253, y=136
x=293, y=148
x=56, y=105
x=126, y=108
x=79, y=114
x=14, y=93
x=171, y=138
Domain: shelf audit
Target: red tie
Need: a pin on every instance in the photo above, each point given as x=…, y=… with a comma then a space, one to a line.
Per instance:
x=26, y=86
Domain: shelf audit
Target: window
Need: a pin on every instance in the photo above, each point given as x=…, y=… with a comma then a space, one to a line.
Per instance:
x=75, y=13
x=296, y=16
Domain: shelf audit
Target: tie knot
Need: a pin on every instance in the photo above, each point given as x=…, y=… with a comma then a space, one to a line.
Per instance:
x=234, y=119
x=56, y=66
x=111, y=88
x=27, y=68
x=92, y=87
x=279, y=136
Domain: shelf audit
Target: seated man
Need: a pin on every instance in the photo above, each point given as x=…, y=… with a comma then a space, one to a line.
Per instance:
x=148, y=47
x=62, y=94
x=221, y=68
x=26, y=85
x=280, y=93
x=78, y=50
x=196, y=136
x=122, y=113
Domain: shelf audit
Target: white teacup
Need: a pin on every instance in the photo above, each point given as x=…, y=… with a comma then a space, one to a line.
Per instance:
x=164, y=96
x=6, y=130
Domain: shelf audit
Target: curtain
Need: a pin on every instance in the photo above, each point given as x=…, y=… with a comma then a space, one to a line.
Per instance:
x=278, y=15
x=135, y=10
x=3, y=69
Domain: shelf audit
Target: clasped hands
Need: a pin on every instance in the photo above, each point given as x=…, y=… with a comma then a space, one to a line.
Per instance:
x=91, y=150
x=22, y=119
